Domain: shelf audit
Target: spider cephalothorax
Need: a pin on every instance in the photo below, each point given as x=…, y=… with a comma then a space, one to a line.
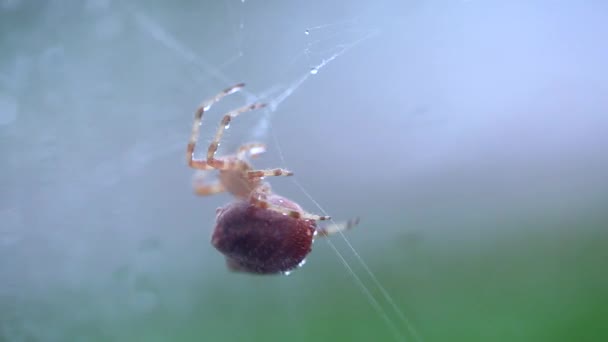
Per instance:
x=260, y=232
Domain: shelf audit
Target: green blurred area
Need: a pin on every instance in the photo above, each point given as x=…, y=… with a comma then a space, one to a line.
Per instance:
x=539, y=283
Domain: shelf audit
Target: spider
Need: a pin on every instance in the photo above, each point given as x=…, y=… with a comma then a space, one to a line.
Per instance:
x=260, y=232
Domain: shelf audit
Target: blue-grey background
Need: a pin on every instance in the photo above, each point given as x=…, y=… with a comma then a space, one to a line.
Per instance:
x=469, y=136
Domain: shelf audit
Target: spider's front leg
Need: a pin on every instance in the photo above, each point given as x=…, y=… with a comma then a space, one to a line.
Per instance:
x=223, y=163
x=254, y=149
x=198, y=117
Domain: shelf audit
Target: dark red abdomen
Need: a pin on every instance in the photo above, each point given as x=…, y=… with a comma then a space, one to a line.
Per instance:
x=263, y=241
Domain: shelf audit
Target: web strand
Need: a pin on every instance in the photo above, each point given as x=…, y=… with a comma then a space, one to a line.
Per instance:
x=371, y=298
x=373, y=301
x=158, y=33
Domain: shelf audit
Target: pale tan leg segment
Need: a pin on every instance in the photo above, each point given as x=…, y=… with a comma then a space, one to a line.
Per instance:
x=254, y=150
x=204, y=188
x=334, y=228
x=209, y=189
x=259, y=199
x=219, y=163
x=198, y=116
x=269, y=172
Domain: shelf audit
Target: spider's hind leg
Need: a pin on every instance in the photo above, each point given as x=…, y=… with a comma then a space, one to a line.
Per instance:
x=220, y=164
x=198, y=117
x=334, y=228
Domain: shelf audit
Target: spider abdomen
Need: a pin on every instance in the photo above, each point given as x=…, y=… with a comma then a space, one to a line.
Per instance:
x=263, y=241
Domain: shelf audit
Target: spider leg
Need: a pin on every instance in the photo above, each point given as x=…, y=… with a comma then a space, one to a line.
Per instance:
x=209, y=189
x=258, y=198
x=198, y=116
x=334, y=228
x=204, y=188
x=218, y=163
x=252, y=174
x=255, y=149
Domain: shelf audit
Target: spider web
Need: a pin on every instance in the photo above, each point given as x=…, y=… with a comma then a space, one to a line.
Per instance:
x=319, y=53
x=319, y=47
x=492, y=135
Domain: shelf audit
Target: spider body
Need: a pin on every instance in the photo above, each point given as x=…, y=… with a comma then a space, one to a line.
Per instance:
x=260, y=232
x=257, y=240
x=235, y=181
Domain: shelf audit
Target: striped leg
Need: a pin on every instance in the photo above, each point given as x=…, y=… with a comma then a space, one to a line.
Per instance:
x=221, y=164
x=258, y=198
x=254, y=150
x=198, y=116
x=253, y=174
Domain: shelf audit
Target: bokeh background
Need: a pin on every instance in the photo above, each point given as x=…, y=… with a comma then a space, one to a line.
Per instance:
x=469, y=136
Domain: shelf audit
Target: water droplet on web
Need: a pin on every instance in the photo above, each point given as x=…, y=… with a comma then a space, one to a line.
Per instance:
x=286, y=273
x=307, y=32
x=227, y=126
x=314, y=71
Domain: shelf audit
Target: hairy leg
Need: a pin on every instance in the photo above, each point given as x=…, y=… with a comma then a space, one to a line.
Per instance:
x=198, y=116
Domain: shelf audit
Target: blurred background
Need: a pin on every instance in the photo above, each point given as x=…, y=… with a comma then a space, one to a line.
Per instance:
x=469, y=136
